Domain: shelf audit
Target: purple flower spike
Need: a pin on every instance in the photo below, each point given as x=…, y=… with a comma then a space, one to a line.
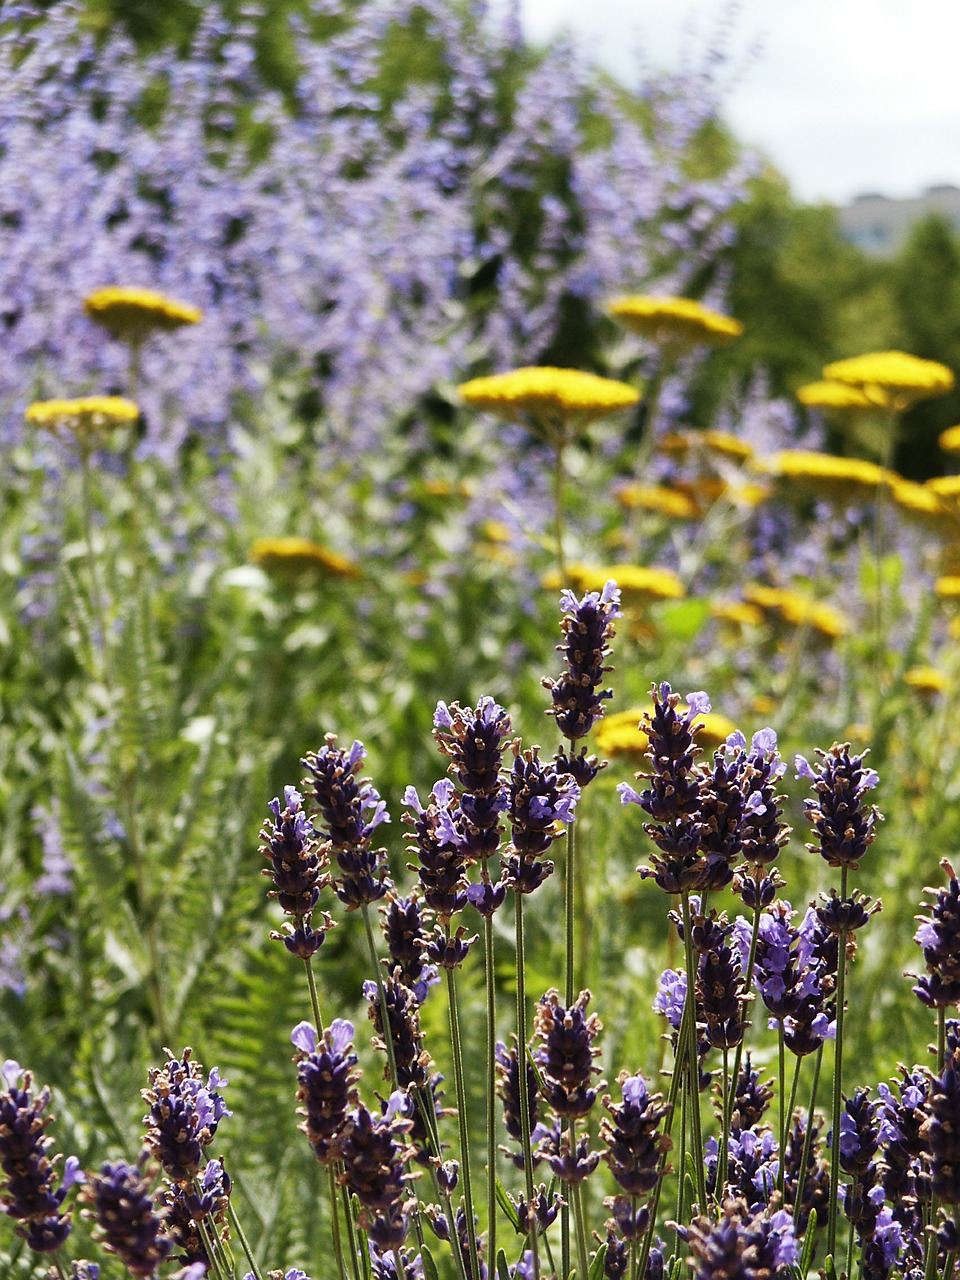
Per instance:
x=350, y=811
x=298, y=863
x=588, y=627
x=540, y=800
x=844, y=826
x=184, y=1115
x=326, y=1082
x=631, y=1133
x=120, y=1203
x=27, y=1192
x=566, y=1052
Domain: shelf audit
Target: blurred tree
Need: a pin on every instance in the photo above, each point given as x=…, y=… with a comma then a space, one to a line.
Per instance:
x=924, y=285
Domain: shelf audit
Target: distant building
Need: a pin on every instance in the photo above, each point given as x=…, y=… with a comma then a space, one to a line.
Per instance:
x=878, y=225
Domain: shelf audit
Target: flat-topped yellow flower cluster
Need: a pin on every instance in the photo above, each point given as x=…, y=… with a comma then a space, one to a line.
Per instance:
x=299, y=557
x=674, y=320
x=132, y=314
x=549, y=396
x=88, y=419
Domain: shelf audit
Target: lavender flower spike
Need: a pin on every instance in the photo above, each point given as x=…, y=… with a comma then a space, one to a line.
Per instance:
x=297, y=870
x=587, y=626
x=27, y=1193
x=120, y=1204
x=184, y=1115
x=350, y=811
x=843, y=825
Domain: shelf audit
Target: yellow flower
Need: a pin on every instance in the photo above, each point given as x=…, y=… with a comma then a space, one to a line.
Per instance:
x=639, y=584
x=736, y=612
x=833, y=395
x=843, y=479
x=620, y=734
x=552, y=400
x=920, y=502
x=299, y=557
x=674, y=321
x=132, y=314
x=893, y=379
x=946, y=487
x=680, y=443
x=948, y=587
x=497, y=531
x=926, y=679
x=659, y=498
x=950, y=440
x=797, y=610
x=88, y=419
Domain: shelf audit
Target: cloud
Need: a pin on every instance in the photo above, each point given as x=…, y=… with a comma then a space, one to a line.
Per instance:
x=846, y=95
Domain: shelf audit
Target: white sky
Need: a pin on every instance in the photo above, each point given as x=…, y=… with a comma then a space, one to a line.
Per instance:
x=844, y=96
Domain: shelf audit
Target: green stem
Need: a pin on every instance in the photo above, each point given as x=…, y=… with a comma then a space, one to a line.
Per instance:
x=735, y=1079
x=334, y=1225
x=807, y=1137
x=558, y=505
x=789, y=1123
x=351, y=1231
x=381, y=997
x=464, y=1127
x=522, y=1063
x=579, y=1218
x=59, y=1266
x=672, y=1095
x=696, y=1132
x=245, y=1245
x=570, y=910
x=210, y=1244
x=633, y=1240
x=782, y=1080
x=490, y=983
x=837, y=1081
x=314, y=998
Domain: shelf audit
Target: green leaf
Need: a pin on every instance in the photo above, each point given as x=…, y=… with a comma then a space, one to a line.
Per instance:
x=505, y=1203
x=809, y=1240
x=830, y=1267
x=596, y=1266
x=503, y=1271
x=430, y=1271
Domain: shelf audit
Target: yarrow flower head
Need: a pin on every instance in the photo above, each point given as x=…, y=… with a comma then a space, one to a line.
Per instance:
x=89, y=420
x=183, y=1116
x=27, y=1193
x=121, y=1205
x=833, y=396
x=893, y=379
x=297, y=871
x=588, y=627
x=671, y=321
x=294, y=558
x=132, y=314
x=555, y=403
x=350, y=811
x=844, y=826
